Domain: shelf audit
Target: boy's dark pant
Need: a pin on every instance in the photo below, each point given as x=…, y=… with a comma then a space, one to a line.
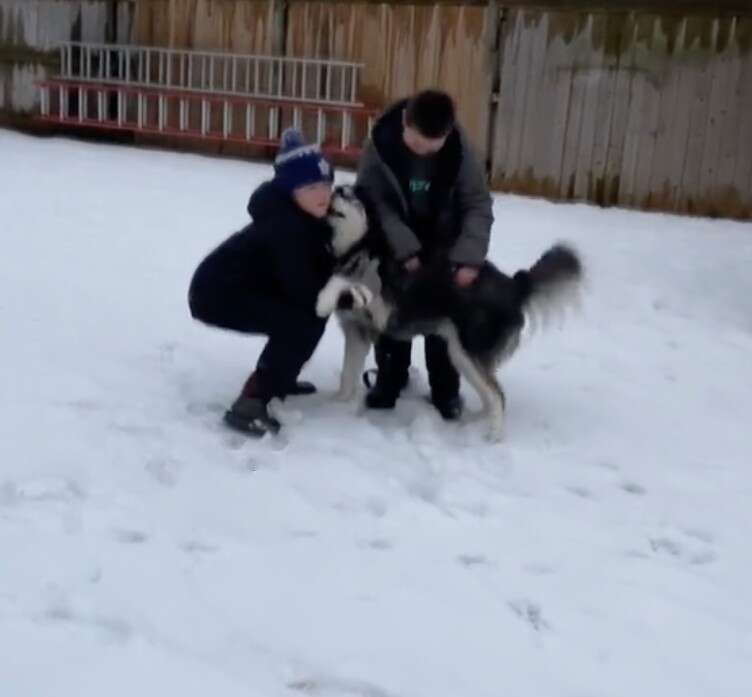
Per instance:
x=293, y=336
x=393, y=357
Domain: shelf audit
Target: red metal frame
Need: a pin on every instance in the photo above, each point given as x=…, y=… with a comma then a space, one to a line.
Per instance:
x=162, y=127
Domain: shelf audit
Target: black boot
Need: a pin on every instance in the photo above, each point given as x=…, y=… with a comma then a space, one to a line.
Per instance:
x=450, y=407
x=302, y=388
x=384, y=394
x=393, y=361
x=249, y=413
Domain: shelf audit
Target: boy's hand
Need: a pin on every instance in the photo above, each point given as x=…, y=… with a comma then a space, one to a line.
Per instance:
x=412, y=264
x=465, y=276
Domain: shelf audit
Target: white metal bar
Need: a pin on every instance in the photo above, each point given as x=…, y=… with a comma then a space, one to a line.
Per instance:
x=320, y=126
x=81, y=104
x=313, y=61
x=354, y=84
x=211, y=73
x=121, y=107
x=345, y=135
x=161, y=112
x=234, y=74
x=225, y=119
x=328, y=83
x=204, y=117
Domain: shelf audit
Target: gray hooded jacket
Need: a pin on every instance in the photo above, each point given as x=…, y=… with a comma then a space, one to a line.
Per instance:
x=460, y=226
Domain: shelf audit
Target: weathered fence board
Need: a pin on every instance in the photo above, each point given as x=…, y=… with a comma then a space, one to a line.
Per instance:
x=636, y=108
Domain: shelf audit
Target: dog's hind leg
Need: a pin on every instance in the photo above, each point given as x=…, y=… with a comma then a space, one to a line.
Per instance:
x=357, y=346
x=482, y=380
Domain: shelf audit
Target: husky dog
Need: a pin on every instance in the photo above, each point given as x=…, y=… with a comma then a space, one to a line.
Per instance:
x=482, y=323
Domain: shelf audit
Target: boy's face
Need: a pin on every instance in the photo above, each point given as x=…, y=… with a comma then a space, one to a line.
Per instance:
x=420, y=144
x=314, y=199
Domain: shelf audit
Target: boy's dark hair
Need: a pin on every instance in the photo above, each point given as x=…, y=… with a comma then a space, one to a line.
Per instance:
x=431, y=113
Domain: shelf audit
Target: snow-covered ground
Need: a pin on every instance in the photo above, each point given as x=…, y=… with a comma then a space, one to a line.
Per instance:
x=602, y=550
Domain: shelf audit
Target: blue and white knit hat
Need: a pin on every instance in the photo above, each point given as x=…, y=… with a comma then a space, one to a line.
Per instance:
x=299, y=163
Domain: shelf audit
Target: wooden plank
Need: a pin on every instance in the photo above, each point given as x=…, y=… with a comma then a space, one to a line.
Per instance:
x=536, y=121
x=576, y=109
x=611, y=38
x=663, y=6
x=679, y=120
x=511, y=31
x=644, y=115
x=517, y=127
x=702, y=42
x=722, y=68
x=620, y=113
x=592, y=77
x=667, y=37
x=557, y=86
x=743, y=168
x=724, y=178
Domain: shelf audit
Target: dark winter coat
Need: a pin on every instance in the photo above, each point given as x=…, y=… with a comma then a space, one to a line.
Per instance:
x=461, y=224
x=284, y=255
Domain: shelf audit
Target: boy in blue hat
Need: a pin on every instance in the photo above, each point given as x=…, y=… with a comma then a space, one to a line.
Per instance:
x=265, y=279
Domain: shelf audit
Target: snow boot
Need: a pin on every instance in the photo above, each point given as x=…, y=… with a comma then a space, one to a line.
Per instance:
x=251, y=416
x=249, y=412
x=450, y=408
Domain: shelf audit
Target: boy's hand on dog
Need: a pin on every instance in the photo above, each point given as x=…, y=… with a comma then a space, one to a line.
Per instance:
x=412, y=264
x=355, y=297
x=465, y=276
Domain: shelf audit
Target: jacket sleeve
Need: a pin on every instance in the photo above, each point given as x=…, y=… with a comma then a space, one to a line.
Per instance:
x=372, y=180
x=295, y=273
x=476, y=211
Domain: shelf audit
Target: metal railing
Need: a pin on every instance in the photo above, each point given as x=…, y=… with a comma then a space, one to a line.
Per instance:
x=281, y=78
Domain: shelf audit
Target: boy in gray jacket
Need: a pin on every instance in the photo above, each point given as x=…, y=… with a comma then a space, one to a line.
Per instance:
x=427, y=188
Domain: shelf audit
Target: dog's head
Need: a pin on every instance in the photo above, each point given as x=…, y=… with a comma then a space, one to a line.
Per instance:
x=348, y=219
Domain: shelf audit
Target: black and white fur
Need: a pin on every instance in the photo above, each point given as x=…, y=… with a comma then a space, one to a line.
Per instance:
x=482, y=324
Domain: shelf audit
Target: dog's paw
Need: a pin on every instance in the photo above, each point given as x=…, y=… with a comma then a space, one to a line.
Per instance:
x=361, y=295
x=344, y=395
x=330, y=294
x=494, y=435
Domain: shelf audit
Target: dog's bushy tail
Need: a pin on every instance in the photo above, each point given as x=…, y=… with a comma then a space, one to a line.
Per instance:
x=550, y=286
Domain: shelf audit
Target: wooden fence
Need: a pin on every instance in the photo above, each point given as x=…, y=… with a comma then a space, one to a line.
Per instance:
x=641, y=103
x=638, y=109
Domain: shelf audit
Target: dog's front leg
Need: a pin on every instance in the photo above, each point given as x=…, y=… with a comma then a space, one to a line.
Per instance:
x=357, y=346
x=329, y=296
